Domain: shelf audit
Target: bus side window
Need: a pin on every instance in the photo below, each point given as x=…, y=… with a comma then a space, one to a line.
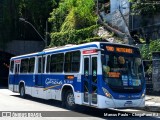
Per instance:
x=39, y=64
x=43, y=64
x=72, y=61
x=75, y=61
x=24, y=66
x=59, y=62
x=31, y=65
x=53, y=63
x=56, y=63
x=16, y=69
x=67, y=66
x=11, y=66
x=94, y=69
x=48, y=64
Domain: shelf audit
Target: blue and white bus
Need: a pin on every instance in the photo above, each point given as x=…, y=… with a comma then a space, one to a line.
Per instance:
x=96, y=74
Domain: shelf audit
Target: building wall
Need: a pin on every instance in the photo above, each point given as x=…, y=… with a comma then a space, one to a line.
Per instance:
x=19, y=47
x=149, y=24
x=122, y=5
x=114, y=5
x=117, y=21
x=156, y=71
x=118, y=17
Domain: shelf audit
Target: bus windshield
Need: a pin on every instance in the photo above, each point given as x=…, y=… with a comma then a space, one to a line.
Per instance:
x=122, y=72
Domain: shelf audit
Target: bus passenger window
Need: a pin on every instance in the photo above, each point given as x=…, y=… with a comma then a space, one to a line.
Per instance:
x=94, y=69
x=75, y=61
x=43, y=65
x=56, y=63
x=39, y=64
x=67, y=67
x=86, y=68
x=31, y=65
x=24, y=66
x=11, y=66
x=60, y=60
x=72, y=61
x=48, y=64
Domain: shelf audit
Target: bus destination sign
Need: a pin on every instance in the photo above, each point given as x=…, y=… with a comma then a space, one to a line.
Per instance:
x=119, y=49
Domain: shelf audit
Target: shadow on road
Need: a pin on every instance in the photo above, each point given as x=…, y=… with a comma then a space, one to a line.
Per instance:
x=83, y=111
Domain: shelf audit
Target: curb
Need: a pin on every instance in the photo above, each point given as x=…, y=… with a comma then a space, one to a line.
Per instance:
x=152, y=107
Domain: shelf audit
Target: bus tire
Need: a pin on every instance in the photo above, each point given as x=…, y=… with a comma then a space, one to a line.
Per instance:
x=69, y=100
x=22, y=91
x=63, y=100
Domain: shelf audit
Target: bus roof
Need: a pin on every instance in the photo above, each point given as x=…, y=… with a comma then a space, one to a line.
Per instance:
x=67, y=48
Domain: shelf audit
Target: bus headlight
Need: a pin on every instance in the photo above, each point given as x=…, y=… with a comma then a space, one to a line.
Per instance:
x=143, y=94
x=108, y=95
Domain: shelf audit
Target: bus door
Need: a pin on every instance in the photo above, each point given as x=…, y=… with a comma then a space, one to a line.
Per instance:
x=90, y=80
x=40, y=71
x=17, y=71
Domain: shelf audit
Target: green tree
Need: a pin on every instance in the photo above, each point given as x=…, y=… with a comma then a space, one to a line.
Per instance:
x=34, y=11
x=147, y=50
x=70, y=18
x=73, y=14
x=145, y=7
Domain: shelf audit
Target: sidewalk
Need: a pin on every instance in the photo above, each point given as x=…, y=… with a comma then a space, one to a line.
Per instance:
x=152, y=103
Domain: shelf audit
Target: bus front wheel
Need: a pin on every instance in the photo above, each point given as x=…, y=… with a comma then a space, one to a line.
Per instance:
x=69, y=100
x=22, y=91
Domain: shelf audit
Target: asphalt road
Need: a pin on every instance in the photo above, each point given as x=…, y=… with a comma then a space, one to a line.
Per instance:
x=12, y=104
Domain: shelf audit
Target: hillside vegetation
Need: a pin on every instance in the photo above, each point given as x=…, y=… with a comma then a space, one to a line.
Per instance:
x=73, y=22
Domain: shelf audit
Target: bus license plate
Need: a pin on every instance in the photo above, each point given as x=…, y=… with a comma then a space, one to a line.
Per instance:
x=128, y=104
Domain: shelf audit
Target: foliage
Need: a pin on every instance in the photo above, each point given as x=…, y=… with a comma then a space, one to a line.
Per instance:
x=73, y=14
x=73, y=36
x=144, y=52
x=73, y=22
x=145, y=7
x=149, y=71
x=34, y=11
x=6, y=22
x=147, y=50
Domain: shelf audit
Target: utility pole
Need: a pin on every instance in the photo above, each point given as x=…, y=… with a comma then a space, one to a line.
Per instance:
x=46, y=36
x=44, y=40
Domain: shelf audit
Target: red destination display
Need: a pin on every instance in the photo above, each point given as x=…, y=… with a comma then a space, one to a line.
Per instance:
x=90, y=51
x=17, y=61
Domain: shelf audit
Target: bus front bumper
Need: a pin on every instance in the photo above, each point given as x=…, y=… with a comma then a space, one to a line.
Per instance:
x=105, y=102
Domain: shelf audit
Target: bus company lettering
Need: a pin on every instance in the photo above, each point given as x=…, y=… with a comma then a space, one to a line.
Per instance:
x=53, y=81
x=136, y=96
